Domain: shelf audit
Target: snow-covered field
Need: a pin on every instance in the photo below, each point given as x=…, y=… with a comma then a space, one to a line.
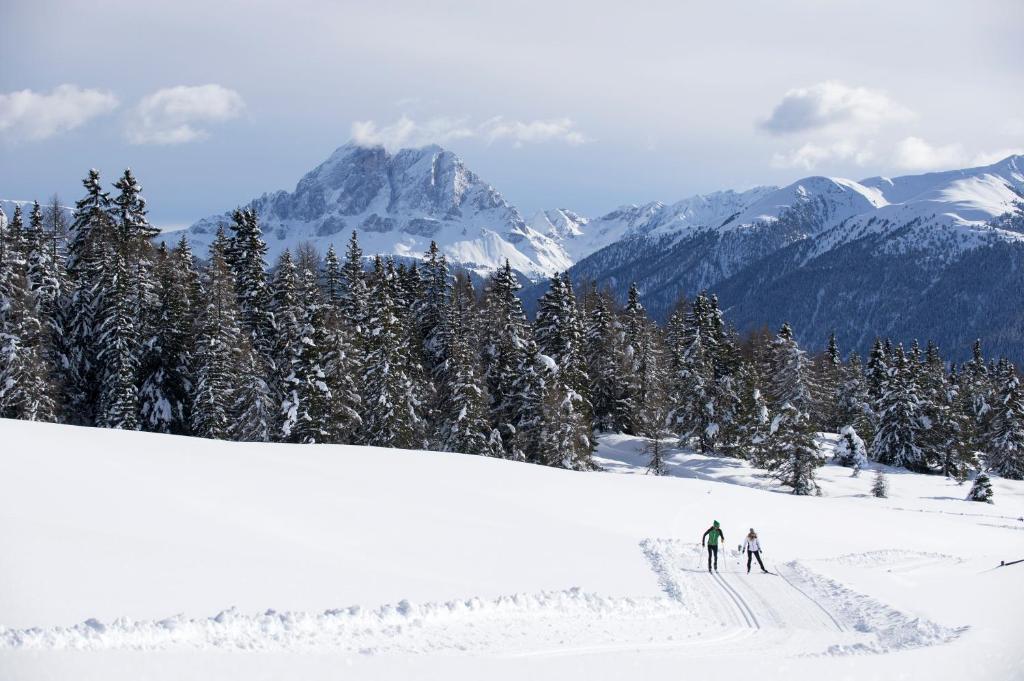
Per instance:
x=136, y=556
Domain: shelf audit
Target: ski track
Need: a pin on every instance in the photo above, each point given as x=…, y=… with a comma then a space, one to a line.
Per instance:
x=701, y=613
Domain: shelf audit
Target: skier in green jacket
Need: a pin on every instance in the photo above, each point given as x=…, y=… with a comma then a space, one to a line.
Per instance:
x=713, y=535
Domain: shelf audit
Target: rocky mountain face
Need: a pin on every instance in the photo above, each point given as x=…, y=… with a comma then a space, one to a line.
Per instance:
x=398, y=203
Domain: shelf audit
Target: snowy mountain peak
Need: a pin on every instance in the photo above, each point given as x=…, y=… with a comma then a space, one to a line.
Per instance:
x=398, y=203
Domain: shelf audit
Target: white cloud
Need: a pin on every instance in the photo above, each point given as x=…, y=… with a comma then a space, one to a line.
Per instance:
x=28, y=115
x=914, y=153
x=832, y=104
x=406, y=132
x=175, y=115
x=811, y=155
x=987, y=158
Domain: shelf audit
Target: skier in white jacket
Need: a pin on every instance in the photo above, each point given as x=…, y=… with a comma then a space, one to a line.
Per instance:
x=753, y=548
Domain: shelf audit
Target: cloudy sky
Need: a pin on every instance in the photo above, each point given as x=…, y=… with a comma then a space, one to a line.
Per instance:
x=578, y=104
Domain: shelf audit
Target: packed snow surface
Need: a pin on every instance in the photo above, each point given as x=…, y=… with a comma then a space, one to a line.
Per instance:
x=130, y=555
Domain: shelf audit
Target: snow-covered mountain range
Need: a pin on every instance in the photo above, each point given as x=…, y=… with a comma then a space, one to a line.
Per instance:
x=400, y=202
x=858, y=257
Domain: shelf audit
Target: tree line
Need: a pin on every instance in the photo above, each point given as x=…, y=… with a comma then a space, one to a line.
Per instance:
x=101, y=325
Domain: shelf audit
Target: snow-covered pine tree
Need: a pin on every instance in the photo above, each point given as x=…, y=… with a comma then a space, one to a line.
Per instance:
x=898, y=437
x=559, y=336
x=692, y=410
x=877, y=370
x=286, y=315
x=90, y=248
x=432, y=307
x=880, y=485
x=307, y=401
x=1004, y=446
x=976, y=389
x=850, y=450
x=245, y=254
x=629, y=407
x=981, y=490
x=391, y=411
x=118, y=343
x=219, y=351
x=134, y=234
x=505, y=339
x=794, y=453
x=333, y=282
x=791, y=381
x=957, y=454
x=26, y=387
x=829, y=379
x=854, y=399
x=651, y=380
x=463, y=424
x=605, y=362
x=747, y=433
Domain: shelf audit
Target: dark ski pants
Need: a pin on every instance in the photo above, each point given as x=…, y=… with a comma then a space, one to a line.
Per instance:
x=755, y=554
x=712, y=551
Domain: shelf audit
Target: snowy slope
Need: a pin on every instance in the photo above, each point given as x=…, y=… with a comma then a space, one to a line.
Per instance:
x=398, y=203
x=130, y=555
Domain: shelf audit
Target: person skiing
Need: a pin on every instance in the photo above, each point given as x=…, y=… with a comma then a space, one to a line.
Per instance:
x=752, y=545
x=713, y=535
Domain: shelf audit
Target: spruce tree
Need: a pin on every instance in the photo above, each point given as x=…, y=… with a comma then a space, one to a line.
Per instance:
x=850, y=450
x=118, y=342
x=898, y=439
x=219, y=350
x=505, y=341
x=90, y=250
x=880, y=485
x=559, y=335
x=791, y=381
x=464, y=425
x=391, y=416
x=693, y=414
x=1004, y=447
x=981, y=490
x=794, y=453
x=605, y=362
x=307, y=403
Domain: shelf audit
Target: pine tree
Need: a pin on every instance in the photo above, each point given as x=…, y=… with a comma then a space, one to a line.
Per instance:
x=880, y=486
x=850, y=450
x=794, y=452
x=981, y=490
x=505, y=341
x=391, y=415
x=791, y=380
x=605, y=362
x=559, y=335
x=133, y=234
x=748, y=433
x=286, y=319
x=898, y=438
x=1004, y=445
x=245, y=253
x=26, y=388
x=118, y=355
x=464, y=425
x=693, y=413
x=219, y=349
x=333, y=282
x=853, y=399
x=90, y=249
x=307, y=403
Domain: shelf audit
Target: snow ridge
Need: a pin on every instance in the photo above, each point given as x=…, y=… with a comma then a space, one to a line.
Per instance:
x=404, y=626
